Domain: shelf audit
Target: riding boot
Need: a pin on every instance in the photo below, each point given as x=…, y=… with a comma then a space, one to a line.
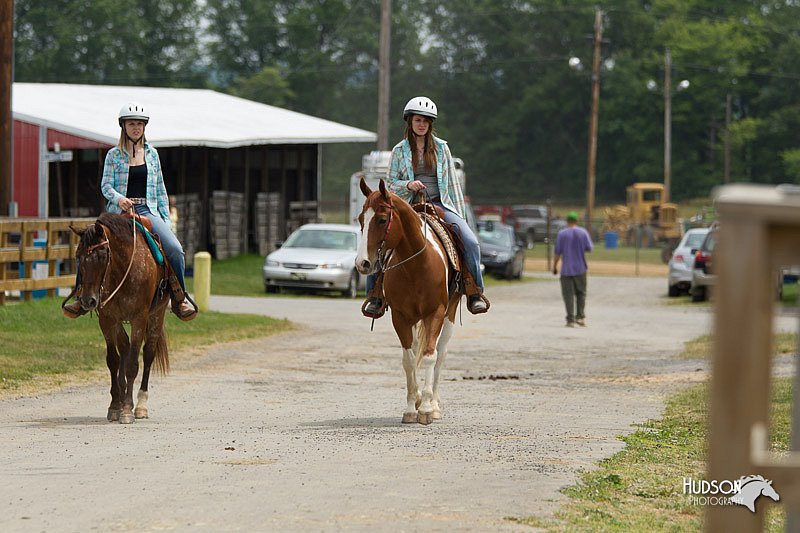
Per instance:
x=75, y=309
x=375, y=305
x=477, y=302
x=182, y=305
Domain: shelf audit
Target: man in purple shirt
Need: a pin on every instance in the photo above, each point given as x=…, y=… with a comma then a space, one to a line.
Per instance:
x=572, y=243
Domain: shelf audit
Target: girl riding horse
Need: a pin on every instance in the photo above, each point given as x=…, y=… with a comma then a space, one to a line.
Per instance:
x=132, y=179
x=421, y=162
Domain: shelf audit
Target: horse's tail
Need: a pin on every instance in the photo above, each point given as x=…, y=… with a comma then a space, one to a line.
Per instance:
x=162, y=353
x=420, y=334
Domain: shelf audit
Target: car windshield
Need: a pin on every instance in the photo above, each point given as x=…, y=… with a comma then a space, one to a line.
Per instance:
x=695, y=240
x=320, y=238
x=497, y=236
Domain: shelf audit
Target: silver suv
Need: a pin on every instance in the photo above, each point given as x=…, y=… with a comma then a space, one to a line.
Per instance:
x=530, y=223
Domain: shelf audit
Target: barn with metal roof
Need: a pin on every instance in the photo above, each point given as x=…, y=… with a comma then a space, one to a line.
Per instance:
x=215, y=148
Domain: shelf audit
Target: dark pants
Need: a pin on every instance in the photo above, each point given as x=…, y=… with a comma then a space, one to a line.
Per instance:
x=573, y=288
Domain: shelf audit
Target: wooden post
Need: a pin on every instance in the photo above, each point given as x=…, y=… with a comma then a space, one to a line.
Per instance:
x=667, y=124
x=384, y=68
x=759, y=230
x=6, y=118
x=591, y=164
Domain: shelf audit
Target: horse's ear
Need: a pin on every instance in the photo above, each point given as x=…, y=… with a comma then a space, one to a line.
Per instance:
x=364, y=187
x=382, y=188
x=78, y=231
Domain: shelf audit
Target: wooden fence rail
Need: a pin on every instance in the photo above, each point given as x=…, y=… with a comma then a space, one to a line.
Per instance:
x=20, y=253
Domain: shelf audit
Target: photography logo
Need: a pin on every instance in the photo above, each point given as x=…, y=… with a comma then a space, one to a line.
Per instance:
x=743, y=491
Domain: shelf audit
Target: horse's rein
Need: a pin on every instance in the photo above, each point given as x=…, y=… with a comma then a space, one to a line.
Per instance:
x=130, y=264
x=386, y=235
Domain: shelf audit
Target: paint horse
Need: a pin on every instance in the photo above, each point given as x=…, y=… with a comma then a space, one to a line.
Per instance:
x=417, y=275
x=122, y=282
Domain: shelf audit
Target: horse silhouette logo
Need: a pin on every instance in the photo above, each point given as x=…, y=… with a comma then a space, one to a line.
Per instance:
x=751, y=487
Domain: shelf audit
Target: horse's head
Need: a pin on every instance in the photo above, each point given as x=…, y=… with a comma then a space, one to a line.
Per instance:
x=376, y=221
x=93, y=257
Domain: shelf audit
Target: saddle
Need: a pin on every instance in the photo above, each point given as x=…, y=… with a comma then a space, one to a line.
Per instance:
x=453, y=245
x=168, y=278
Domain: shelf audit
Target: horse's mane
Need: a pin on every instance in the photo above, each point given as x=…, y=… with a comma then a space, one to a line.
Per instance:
x=745, y=480
x=119, y=226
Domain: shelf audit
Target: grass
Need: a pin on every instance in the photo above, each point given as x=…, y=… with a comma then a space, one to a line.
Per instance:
x=639, y=488
x=622, y=254
x=699, y=348
x=241, y=276
x=37, y=340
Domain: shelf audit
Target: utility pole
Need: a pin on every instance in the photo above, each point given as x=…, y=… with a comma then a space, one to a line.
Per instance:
x=667, y=124
x=383, y=75
x=727, y=149
x=590, y=168
x=6, y=78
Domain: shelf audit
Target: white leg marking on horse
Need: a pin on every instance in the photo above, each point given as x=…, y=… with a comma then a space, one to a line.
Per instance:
x=412, y=392
x=141, y=405
x=441, y=354
x=363, y=253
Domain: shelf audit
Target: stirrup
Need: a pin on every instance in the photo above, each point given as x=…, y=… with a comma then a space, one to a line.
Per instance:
x=475, y=298
x=70, y=310
x=188, y=314
x=374, y=307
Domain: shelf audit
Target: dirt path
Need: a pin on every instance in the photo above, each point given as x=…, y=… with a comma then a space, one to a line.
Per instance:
x=302, y=431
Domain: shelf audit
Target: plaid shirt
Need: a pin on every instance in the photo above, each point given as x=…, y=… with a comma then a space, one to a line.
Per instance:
x=401, y=174
x=115, y=181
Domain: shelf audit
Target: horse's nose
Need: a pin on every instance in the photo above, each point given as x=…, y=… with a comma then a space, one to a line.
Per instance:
x=89, y=303
x=364, y=265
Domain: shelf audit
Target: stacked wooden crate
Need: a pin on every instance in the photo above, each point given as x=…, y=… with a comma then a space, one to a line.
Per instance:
x=227, y=223
x=190, y=219
x=267, y=221
x=302, y=212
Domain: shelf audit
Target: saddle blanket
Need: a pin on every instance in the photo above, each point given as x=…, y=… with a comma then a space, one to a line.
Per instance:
x=444, y=236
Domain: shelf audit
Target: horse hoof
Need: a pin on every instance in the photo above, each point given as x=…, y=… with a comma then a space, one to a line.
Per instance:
x=425, y=418
x=409, y=418
x=126, y=418
x=113, y=415
x=140, y=412
x=436, y=415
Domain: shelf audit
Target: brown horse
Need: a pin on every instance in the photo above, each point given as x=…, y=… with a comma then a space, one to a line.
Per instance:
x=121, y=282
x=417, y=275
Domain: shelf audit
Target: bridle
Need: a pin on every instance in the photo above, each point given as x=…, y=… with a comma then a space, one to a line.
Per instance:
x=382, y=259
x=107, y=244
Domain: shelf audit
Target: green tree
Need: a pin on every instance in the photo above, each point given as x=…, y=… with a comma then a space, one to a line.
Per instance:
x=150, y=42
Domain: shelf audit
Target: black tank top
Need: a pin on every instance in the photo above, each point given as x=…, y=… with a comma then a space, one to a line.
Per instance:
x=137, y=181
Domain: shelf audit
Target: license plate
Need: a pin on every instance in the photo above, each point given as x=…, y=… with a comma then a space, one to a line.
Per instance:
x=297, y=276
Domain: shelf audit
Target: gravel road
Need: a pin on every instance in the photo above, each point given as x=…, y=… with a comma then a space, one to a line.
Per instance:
x=302, y=431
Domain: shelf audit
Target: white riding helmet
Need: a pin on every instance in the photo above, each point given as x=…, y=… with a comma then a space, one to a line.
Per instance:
x=420, y=105
x=133, y=111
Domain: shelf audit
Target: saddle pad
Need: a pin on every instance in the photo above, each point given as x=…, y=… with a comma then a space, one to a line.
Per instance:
x=444, y=236
x=151, y=243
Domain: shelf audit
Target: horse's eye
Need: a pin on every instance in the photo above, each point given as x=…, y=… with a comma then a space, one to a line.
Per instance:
x=381, y=221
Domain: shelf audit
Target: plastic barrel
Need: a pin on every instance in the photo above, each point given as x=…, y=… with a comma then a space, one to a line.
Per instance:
x=611, y=239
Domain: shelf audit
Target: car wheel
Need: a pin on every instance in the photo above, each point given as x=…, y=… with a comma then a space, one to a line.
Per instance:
x=270, y=289
x=530, y=239
x=518, y=275
x=673, y=291
x=352, y=286
x=698, y=294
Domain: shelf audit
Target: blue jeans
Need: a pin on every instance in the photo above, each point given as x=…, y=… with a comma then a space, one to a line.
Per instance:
x=172, y=246
x=472, y=249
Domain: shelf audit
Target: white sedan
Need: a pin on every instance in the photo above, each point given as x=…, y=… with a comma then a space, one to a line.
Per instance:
x=682, y=261
x=317, y=257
